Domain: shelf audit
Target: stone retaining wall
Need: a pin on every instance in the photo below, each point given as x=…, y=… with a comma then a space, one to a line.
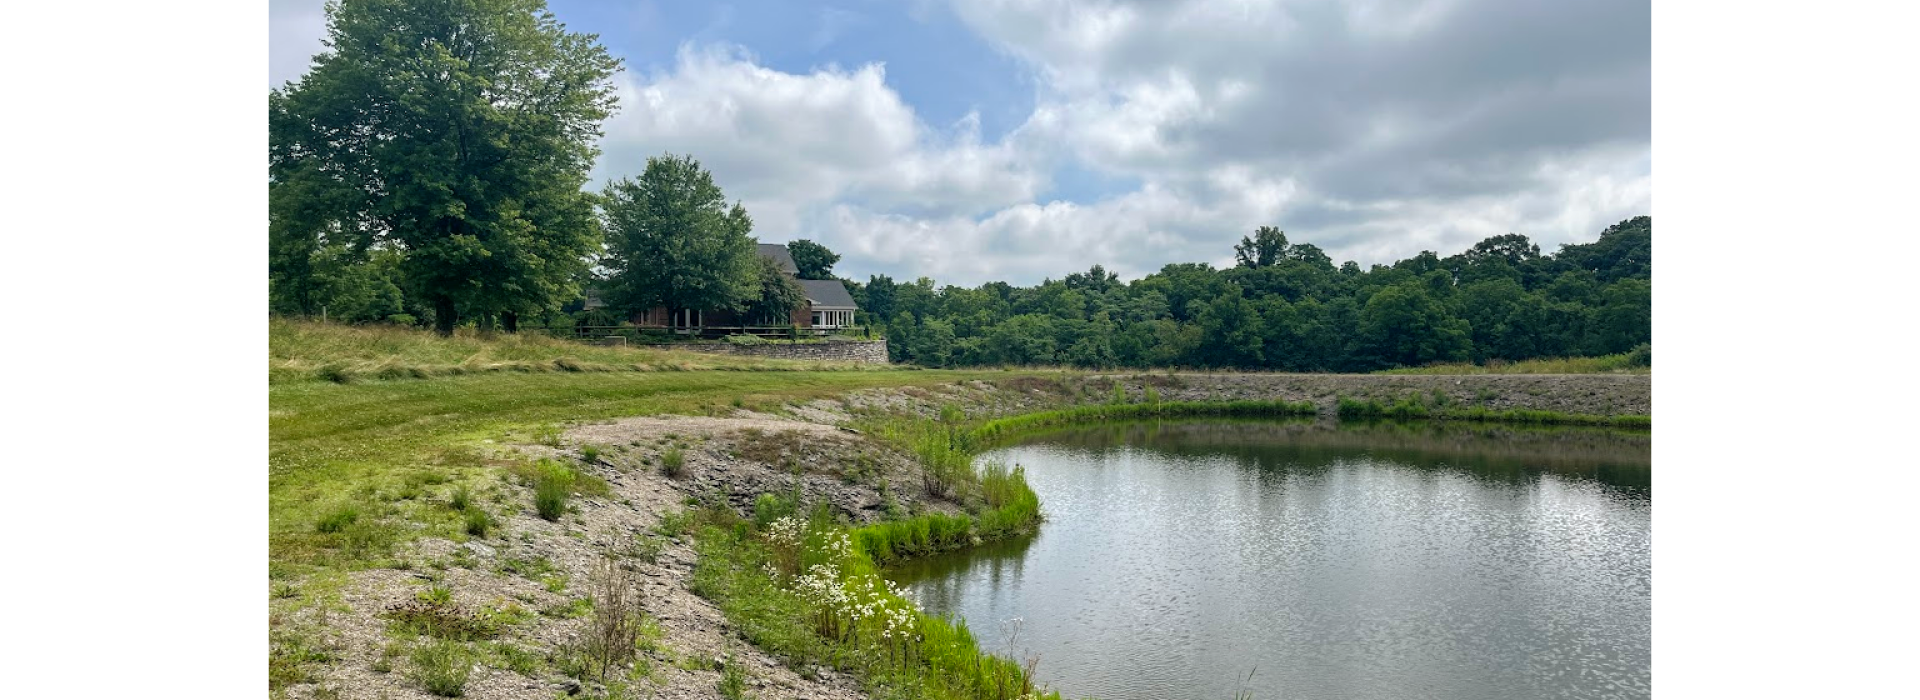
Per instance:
x=861, y=351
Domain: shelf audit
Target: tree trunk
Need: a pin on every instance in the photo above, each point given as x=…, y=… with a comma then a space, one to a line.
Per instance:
x=443, y=316
x=510, y=321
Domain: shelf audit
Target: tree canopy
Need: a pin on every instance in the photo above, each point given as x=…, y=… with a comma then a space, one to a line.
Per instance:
x=777, y=295
x=814, y=260
x=457, y=134
x=673, y=241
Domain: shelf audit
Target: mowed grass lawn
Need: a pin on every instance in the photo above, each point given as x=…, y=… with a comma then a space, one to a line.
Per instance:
x=359, y=445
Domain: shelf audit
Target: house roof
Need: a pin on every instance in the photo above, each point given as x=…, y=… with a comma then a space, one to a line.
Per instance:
x=828, y=294
x=778, y=253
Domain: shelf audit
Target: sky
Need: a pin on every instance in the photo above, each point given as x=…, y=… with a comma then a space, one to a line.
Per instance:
x=1018, y=140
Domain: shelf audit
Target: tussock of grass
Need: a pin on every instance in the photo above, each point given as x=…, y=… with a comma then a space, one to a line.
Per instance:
x=337, y=520
x=442, y=668
x=552, y=484
x=1637, y=361
x=479, y=522
x=303, y=351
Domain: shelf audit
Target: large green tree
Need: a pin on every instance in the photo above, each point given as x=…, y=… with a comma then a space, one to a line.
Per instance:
x=458, y=132
x=673, y=241
x=779, y=296
x=1267, y=246
x=813, y=260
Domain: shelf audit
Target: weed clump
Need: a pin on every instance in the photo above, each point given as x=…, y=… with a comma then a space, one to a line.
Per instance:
x=673, y=462
x=337, y=520
x=478, y=522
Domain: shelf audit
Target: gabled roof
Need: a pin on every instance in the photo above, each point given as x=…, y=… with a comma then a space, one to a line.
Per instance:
x=828, y=294
x=778, y=253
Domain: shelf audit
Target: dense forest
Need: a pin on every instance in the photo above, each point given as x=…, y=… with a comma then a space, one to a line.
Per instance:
x=1286, y=306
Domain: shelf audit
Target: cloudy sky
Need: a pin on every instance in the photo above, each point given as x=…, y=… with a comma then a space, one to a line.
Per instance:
x=1016, y=140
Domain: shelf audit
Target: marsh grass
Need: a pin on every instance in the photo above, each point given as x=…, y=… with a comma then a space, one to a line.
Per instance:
x=1636, y=361
x=994, y=431
x=1412, y=407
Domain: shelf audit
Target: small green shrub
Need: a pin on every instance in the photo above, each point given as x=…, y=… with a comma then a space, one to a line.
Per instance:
x=673, y=462
x=647, y=548
x=589, y=453
x=746, y=340
x=770, y=507
x=338, y=519
x=442, y=668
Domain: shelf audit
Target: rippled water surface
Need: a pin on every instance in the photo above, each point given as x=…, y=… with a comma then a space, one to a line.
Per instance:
x=1381, y=561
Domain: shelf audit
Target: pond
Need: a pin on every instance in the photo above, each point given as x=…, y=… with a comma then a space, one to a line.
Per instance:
x=1320, y=561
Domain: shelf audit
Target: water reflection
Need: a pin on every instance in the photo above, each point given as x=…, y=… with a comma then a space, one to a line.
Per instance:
x=1372, y=561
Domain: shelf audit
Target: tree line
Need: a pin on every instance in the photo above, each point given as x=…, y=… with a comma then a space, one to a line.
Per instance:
x=431, y=167
x=1286, y=306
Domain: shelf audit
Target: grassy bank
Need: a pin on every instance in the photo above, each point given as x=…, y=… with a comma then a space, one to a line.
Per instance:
x=804, y=591
x=302, y=351
x=1411, y=408
x=1636, y=361
x=392, y=452
x=1001, y=429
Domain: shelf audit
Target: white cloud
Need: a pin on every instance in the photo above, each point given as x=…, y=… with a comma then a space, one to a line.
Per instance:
x=789, y=144
x=1373, y=128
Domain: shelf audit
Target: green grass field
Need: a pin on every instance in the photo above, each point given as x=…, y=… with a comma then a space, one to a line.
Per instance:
x=305, y=351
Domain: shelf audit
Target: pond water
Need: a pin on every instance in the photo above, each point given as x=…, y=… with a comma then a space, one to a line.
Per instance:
x=1320, y=561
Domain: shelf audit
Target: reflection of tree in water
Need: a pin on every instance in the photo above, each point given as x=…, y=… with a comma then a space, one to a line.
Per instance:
x=1502, y=453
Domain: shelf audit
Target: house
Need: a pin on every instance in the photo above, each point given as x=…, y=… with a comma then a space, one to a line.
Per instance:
x=829, y=307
